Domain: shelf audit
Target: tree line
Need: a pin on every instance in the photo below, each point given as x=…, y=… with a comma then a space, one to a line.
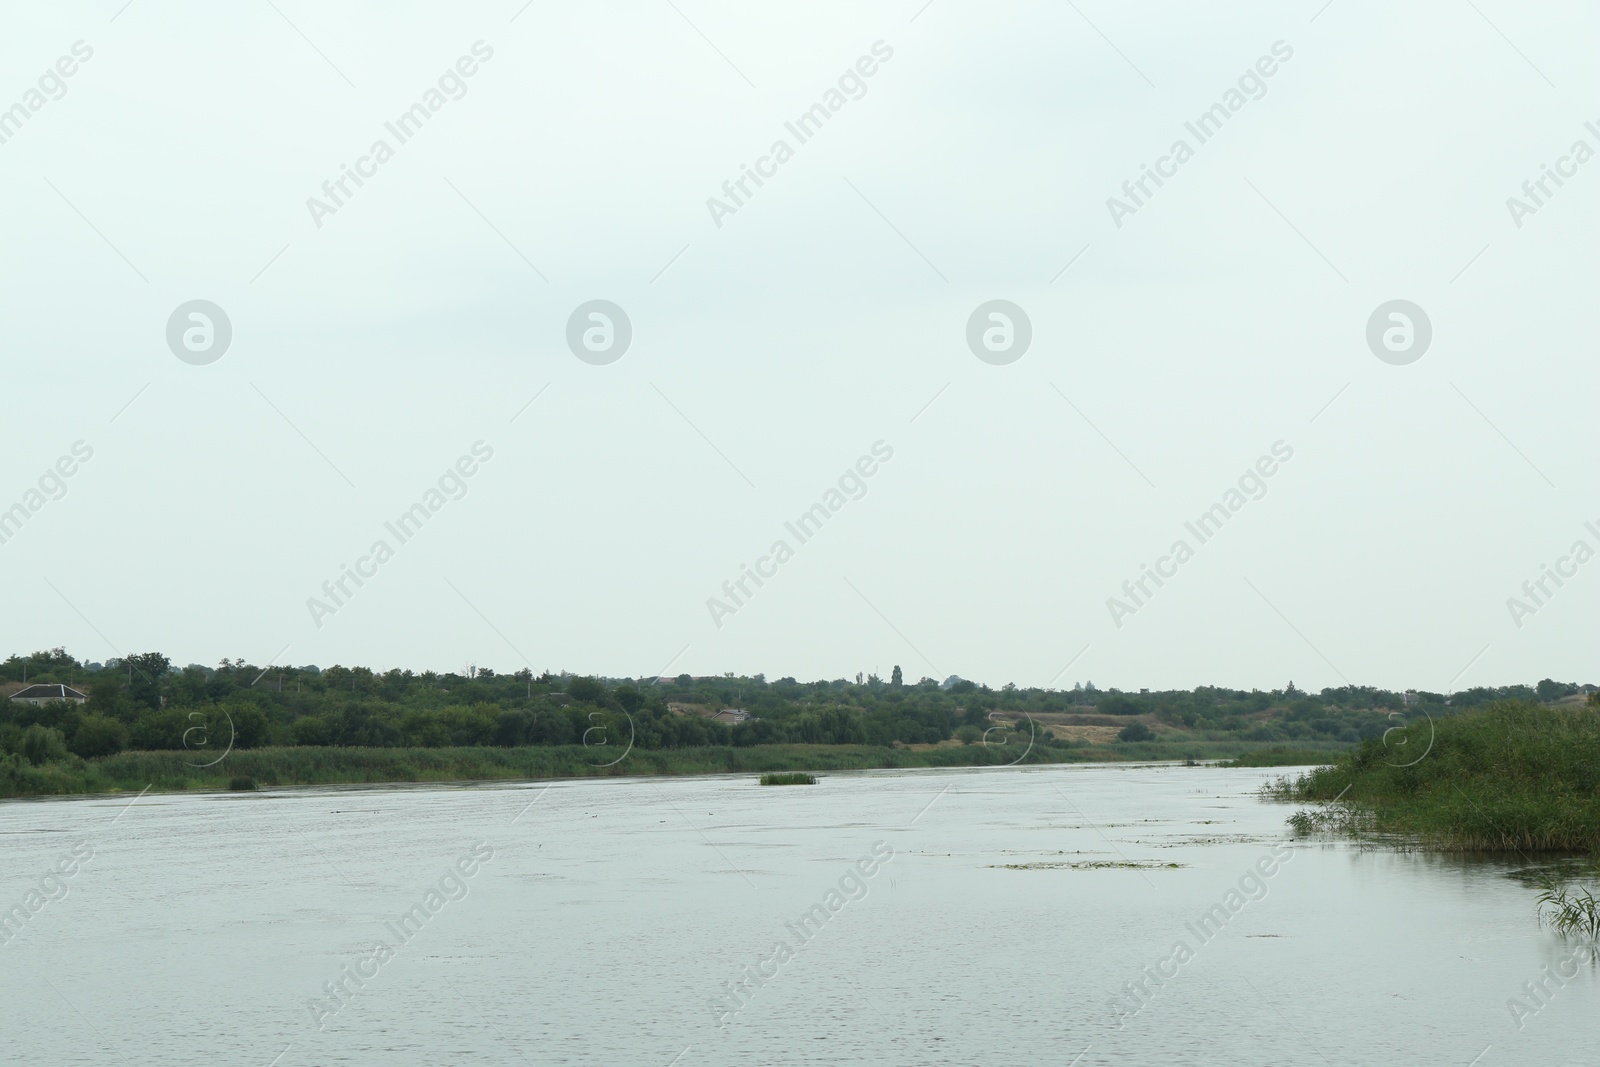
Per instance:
x=146, y=702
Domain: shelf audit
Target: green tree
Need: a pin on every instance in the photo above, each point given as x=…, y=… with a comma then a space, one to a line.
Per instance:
x=145, y=684
x=99, y=735
x=106, y=697
x=1549, y=689
x=249, y=725
x=312, y=730
x=158, y=730
x=41, y=745
x=897, y=679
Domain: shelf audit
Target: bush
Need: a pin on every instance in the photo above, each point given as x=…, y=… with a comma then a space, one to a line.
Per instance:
x=969, y=734
x=1136, y=731
x=789, y=778
x=241, y=784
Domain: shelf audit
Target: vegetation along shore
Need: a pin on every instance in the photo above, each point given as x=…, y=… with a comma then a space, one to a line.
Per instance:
x=73, y=726
x=1513, y=777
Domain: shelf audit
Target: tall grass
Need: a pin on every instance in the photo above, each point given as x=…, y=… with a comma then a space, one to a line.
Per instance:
x=1508, y=777
x=1569, y=910
x=173, y=771
x=310, y=765
x=1284, y=756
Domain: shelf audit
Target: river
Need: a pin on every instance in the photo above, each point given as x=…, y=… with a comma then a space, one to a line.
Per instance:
x=983, y=916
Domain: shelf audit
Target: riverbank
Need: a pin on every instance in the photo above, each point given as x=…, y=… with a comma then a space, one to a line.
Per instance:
x=305, y=765
x=1510, y=778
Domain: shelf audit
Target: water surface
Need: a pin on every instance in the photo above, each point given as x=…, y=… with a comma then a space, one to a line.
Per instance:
x=613, y=915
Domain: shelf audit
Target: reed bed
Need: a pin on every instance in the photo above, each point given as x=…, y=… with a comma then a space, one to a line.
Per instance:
x=1510, y=777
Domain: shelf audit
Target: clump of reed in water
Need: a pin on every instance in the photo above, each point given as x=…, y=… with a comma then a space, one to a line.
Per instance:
x=1569, y=910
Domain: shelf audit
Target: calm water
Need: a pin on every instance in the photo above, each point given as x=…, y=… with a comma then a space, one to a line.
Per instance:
x=613, y=913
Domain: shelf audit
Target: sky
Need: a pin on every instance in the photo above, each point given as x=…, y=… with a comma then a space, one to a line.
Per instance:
x=1341, y=279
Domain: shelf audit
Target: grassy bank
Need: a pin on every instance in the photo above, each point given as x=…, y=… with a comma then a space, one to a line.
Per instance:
x=1511, y=777
x=170, y=771
x=1232, y=753
x=1281, y=756
x=305, y=765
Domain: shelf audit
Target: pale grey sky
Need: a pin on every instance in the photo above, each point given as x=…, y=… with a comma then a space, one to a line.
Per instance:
x=1227, y=313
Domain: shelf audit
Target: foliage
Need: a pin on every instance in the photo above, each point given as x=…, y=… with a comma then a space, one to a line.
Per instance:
x=789, y=778
x=1511, y=776
x=98, y=735
x=1282, y=756
x=42, y=744
x=1567, y=909
x=146, y=704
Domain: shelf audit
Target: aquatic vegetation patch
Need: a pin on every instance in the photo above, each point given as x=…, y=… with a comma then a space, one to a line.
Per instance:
x=1087, y=865
x=789, y=778
x=1569, y=909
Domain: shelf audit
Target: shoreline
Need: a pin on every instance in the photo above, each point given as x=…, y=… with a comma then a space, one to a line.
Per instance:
x=273, y=768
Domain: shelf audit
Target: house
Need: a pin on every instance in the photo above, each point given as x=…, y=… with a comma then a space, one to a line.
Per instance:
x=731, y=716
x=48, y=694
x=1410, y=697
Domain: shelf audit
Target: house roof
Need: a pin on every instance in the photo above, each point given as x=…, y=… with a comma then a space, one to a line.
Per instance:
x=49, y=692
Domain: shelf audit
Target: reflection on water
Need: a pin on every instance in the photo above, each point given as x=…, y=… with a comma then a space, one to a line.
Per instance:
x=1148, y=914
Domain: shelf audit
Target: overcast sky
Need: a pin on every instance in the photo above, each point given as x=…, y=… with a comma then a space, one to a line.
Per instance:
x=775, y=340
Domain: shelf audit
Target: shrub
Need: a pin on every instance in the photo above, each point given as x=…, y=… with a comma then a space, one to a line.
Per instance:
x=1136, y=731
x=241, y=784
